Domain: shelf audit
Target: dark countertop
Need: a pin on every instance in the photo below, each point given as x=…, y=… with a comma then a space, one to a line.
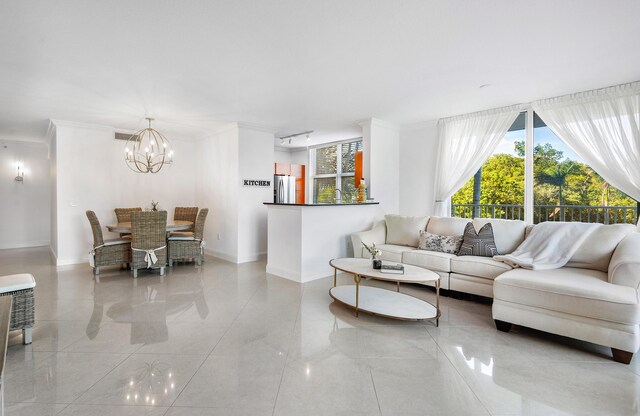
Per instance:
x=322, y=205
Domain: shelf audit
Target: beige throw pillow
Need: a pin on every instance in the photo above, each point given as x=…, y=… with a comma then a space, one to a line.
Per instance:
x=403, y=230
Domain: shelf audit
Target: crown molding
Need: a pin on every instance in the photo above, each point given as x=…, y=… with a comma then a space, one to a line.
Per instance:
x=378, y=123
x=76, y=124
x=257, y=126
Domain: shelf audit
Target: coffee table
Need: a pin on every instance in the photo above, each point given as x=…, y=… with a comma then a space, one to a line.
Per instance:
x=384, y=302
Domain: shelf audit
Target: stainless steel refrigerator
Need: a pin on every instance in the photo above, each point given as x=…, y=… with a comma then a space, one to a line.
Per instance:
x=284, y=189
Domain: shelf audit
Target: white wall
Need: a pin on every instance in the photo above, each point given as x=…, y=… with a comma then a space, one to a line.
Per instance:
x=25, y=207
x=256, y=155
x=90, y=174
x=281, y=155
x=300, y=157
x=237, y=213
x=381, y=163
x=418, y=156
x=53, y=186
x=218, y=184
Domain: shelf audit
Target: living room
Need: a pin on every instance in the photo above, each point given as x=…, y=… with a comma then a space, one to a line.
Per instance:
x=451, y=105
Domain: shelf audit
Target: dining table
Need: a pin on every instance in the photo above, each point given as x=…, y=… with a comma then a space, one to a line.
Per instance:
x=125, y=227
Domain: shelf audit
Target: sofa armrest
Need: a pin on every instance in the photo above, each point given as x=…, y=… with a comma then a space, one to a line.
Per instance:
x=624, y=268
x=378, y=235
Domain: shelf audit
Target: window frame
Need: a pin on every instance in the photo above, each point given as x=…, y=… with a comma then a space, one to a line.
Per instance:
x=338, y=175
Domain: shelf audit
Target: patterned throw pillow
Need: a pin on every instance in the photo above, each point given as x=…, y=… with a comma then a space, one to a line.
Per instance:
x=442, y=243
x=481, y=243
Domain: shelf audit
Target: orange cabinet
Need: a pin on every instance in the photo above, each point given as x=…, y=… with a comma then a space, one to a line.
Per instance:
x=282, y=169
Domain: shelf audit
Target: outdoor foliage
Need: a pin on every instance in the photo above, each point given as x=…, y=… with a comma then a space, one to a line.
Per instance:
x=558, y=181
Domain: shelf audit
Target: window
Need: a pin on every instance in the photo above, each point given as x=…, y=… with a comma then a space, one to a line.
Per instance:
x=333, y=168
x=563, y=187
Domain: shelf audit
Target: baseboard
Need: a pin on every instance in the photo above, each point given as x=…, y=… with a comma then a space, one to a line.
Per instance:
x=253, y=257
x=287, y=274
x=235, y=259
x=221, y=255
x=26, y=244
x=69, y=262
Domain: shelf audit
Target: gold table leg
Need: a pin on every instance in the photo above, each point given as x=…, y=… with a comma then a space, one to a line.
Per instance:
x=335, y=276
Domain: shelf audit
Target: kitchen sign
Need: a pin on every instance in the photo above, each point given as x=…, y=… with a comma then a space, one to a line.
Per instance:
x=256, y=183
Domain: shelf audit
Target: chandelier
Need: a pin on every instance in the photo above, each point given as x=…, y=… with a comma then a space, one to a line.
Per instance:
x=147, y=151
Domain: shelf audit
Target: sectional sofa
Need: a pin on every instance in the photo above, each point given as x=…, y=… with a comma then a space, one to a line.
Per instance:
x=595, y=297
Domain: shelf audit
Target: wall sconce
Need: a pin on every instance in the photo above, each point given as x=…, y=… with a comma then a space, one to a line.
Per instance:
x=20, y=177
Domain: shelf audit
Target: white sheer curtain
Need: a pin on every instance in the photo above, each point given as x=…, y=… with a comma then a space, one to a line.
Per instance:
x=465, y=143
x=602, y=127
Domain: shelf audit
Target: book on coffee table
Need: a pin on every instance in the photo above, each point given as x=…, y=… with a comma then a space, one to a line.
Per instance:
x=392, y=268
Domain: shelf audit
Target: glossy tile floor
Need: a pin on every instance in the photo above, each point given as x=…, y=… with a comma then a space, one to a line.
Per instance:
x=227, y=339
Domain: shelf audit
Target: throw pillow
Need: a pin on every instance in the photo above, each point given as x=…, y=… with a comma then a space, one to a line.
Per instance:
x=442, y=243
x=403, y=231
x=481, y=243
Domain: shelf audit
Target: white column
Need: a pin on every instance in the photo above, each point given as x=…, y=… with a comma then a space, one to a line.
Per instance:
x=381, y=162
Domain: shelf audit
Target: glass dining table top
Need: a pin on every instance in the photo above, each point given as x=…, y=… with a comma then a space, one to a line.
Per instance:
x=125, y=227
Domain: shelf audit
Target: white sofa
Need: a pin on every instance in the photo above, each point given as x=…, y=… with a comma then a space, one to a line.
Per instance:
x=595, y=297
x=469, y=274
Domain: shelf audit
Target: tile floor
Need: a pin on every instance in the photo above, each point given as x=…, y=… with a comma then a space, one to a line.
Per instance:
x=227, y=339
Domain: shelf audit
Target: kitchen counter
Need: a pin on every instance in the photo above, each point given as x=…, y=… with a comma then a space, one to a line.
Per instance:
x=303, y=238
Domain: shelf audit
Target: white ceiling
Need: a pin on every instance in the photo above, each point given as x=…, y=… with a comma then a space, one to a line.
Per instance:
x=295, y=65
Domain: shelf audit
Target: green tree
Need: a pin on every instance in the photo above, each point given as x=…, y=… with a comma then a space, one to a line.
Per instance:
x=556, y=176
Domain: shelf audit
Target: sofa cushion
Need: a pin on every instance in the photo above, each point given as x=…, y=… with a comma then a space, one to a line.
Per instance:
x=389, y=252
x=403, y=230
x=442, y=243
x=478, y=243
x=432, y=260
x=508, y=234
x=478, y=266
x=447, y=225
x=596, y=251
x=580, y=292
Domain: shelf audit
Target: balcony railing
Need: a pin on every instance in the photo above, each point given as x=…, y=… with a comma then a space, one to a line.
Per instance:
x=542, y=213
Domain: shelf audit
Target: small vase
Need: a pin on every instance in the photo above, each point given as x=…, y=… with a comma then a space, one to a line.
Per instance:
x=377, y=264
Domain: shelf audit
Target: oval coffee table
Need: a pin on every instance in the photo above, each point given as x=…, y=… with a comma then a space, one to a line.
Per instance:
x=384, y=302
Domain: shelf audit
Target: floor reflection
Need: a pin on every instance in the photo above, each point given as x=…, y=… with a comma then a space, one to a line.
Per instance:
x=147, y=305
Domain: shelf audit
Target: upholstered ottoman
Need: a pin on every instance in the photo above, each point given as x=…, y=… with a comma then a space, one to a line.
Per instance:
x=20, y=286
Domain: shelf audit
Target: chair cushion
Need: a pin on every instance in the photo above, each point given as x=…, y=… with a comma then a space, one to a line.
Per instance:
x=16, y=282
x=403, y=230
x=596, y=251
x=181, y=233
x=115, y=241
x=580, y=292
x=478, y=266
x=508, y=234
x=432, y=260
x=181, y=238
x=447, y=225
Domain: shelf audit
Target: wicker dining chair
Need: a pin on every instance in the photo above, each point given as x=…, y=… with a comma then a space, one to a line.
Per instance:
x=124, y=215
x=107, y=252
x=189, y=247
x=186, y=214
x=148, y=241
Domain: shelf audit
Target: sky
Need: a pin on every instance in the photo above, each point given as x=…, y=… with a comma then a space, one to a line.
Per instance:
x=541, y=135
